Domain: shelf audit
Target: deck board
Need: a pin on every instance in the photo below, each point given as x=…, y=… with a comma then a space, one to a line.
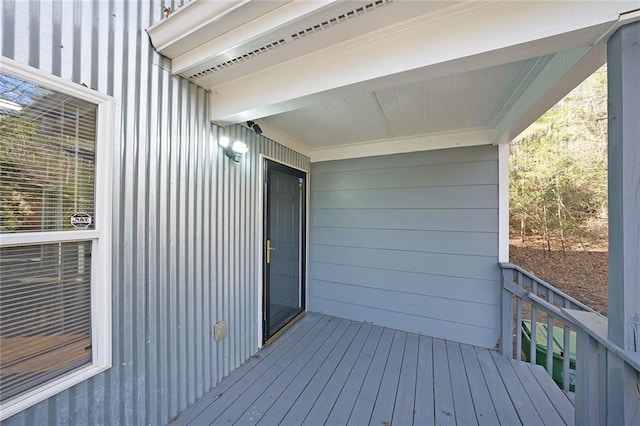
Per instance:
x=327, y=399
x=343, y=406
x=309, y=395
x=424, y=409
x=383, y=408
x=524, y=406
x=332, y=371
x=563, y=405
x=443, y=393
x=366, y=399
x=258, y=379
x=462, y=401
x=485, y=412
x=541, y=402
x=405, y=398
x=223, y=395
x=507, y=414
x=281, y=373
x=275, y=402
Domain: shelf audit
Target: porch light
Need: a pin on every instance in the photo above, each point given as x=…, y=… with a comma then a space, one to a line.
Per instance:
x=233, y=150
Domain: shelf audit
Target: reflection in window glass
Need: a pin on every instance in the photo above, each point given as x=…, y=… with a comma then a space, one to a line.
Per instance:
x=47, y=159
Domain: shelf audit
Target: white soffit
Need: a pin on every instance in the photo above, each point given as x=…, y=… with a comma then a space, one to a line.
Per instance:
x=328, y=76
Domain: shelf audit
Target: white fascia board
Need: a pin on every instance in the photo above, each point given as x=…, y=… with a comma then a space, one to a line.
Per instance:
x=404, y=145
x=245, y=33
x=563, y=73
x=480, y=37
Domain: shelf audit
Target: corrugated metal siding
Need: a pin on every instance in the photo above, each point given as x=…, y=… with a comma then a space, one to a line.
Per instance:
x=185, y=217
x=409, y=241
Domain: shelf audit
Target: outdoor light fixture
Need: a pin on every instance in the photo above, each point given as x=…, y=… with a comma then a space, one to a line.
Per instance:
x=233, y=150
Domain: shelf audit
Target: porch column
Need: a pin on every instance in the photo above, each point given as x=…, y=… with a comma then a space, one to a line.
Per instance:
x=623, y=59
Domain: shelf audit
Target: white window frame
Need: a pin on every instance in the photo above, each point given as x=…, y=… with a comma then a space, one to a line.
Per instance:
x=100, y=237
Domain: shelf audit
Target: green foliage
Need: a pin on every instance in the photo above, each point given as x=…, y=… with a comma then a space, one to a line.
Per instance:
x=558, y=168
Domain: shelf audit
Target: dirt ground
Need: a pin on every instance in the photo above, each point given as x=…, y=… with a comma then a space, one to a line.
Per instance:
x=580, y=273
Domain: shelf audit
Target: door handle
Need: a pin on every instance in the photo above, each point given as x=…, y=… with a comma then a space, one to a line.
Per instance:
x=268, y=250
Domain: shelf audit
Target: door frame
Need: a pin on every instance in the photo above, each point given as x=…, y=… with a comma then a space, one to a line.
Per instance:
x=260, y=249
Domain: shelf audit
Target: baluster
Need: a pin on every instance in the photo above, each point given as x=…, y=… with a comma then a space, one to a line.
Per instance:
x=550, y=344
x=519, y=329
x=566, y=359
x=567, y=352
x=534, y=334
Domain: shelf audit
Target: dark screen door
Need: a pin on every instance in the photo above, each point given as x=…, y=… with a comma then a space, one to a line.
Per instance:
x=284, y=246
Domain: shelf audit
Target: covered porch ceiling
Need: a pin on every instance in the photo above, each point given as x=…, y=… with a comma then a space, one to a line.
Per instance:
x=340, y=79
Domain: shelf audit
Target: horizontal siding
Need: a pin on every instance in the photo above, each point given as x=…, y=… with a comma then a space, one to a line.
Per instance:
x=185, y=218
x=442, y=197
x=417, y=176
x=410, y=219
x=454, y=156
x=389, y=299
x=456, y=242
x=409, y=241
x=468, y=289
x=445, y=264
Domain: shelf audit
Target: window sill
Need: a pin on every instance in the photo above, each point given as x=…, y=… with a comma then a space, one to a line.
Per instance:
x=28, y=399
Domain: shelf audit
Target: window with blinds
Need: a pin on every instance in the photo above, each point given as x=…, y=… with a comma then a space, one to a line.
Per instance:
x=47, y=158
x=52, y=253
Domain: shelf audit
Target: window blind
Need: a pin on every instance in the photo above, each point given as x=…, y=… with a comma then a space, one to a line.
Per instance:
x=47, y=158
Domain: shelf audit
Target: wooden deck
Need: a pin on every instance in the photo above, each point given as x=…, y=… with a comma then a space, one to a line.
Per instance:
x=327, y=370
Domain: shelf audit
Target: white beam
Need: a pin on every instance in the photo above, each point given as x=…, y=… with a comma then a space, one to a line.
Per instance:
x=402, y=145
x=479, y=36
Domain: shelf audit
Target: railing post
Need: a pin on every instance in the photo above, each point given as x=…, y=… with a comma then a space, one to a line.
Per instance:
x=506, y=339
x=589, y=408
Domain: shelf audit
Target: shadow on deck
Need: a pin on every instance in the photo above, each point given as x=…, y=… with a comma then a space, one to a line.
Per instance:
x=327, y=370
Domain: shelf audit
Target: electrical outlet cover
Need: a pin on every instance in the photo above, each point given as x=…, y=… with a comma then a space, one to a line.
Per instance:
x=220, y=330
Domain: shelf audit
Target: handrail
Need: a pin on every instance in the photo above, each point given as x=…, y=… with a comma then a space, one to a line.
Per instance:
x=527, y=297
x=605, y=375
x=589, y=322
x=582, y=306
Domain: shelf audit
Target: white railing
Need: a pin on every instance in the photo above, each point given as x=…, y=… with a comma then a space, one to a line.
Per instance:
x=530, y=303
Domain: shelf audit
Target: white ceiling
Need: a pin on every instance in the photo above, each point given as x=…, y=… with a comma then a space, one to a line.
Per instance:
x=387, y=76
x=471, y=100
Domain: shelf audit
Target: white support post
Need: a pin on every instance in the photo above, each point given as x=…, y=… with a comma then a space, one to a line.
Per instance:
x=506, y=338
x=503, y=201
x=623, y=57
